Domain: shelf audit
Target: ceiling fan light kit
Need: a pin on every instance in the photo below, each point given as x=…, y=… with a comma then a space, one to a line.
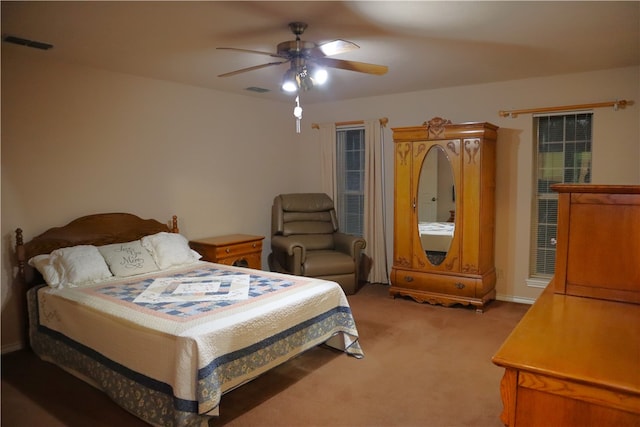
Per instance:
x=289, y=81
x=304, y=78
x=308, y=63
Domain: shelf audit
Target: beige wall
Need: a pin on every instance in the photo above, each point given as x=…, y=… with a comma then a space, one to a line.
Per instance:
x=616, y=145
x=77, y=141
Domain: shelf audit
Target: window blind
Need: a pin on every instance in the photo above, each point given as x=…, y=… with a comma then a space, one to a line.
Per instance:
x=350, y=179
x=563, y=156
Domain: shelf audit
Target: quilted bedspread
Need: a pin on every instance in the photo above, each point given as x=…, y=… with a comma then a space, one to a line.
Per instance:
x=436, y=236
x=167, y=347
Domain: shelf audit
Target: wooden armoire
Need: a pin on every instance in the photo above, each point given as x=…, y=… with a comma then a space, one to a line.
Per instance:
x=444, y=213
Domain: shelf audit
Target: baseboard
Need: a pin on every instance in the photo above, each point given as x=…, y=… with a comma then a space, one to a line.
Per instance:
x=511, y=298
x=10, y=348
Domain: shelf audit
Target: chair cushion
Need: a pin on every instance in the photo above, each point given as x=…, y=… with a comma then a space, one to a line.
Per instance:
x=306, y=202
x=322, y=263
x=313, y=242
x=324, y=216
x=307, y=227
x=307, y=223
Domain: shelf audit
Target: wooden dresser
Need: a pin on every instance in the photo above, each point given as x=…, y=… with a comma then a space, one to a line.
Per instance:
x=574, y=359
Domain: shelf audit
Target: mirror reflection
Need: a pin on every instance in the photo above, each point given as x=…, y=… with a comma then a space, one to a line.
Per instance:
x=436, y=205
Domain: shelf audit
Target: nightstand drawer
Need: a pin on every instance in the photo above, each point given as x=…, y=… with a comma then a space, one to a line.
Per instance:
x=238, y=249
x=235, y=249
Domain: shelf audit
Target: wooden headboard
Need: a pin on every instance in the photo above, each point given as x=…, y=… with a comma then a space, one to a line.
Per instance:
x=98, y=229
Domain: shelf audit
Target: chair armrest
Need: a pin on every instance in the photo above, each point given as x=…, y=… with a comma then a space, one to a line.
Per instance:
x=290, y=253
x=349, y=244
x=287, y=244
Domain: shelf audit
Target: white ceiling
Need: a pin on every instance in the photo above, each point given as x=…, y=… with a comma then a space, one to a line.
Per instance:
x=426, y=44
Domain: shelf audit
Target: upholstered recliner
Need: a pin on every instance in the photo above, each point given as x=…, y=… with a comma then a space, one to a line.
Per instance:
x=305, y=240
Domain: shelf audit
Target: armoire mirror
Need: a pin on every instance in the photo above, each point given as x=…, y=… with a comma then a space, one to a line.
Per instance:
x=436, y=205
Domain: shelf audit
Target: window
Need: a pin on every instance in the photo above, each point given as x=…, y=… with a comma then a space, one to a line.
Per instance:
x=563, y=156
x=350, y=179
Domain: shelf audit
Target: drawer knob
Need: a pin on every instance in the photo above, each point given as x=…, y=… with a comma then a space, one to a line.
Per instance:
x=227, y=250
x=459, y=285
x=408, y=279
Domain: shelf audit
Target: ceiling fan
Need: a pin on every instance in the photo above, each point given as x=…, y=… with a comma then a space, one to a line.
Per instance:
x=308, y=60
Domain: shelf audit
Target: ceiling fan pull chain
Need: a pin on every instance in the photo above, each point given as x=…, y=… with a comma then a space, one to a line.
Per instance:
x=297, y=113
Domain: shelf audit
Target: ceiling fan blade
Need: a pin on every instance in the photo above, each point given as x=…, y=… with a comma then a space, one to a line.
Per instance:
x=275, y=55
x=361, y=67
x=335, y=47
x=255, y=67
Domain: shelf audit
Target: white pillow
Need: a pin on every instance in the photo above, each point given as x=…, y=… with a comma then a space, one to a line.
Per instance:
x=170, y=249
x=128, y=259
x=45, y=265
x=80, y=265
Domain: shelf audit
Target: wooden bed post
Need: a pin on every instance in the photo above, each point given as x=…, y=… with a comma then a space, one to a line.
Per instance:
x=20, y=252
x=174, y=224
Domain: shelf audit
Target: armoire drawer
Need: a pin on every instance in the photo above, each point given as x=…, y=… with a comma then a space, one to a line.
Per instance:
x=433, y=282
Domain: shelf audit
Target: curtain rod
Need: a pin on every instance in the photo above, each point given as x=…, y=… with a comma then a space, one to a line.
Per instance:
x=383, y=122
x=615, y=104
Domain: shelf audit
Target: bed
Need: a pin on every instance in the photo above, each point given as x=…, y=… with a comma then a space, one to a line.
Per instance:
x=436, y=236
x=161, y=332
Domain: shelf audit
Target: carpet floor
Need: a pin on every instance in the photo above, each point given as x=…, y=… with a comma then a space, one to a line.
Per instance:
x=424, y=365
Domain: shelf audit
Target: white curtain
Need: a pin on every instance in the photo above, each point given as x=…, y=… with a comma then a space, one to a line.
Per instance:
x=374, y=213
x=374, y=219
x=328, y=159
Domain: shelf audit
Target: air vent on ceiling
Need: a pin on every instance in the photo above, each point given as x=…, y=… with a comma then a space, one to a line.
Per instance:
x=257, y=89
x=25, y=42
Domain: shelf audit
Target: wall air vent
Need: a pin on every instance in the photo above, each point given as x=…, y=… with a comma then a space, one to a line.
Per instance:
x=25, y=42
x=257, y=89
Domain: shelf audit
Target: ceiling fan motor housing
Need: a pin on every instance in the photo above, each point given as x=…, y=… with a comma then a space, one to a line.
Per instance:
x=294, y=48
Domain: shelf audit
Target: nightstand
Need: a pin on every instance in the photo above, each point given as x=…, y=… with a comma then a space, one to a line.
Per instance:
x=241, y=250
